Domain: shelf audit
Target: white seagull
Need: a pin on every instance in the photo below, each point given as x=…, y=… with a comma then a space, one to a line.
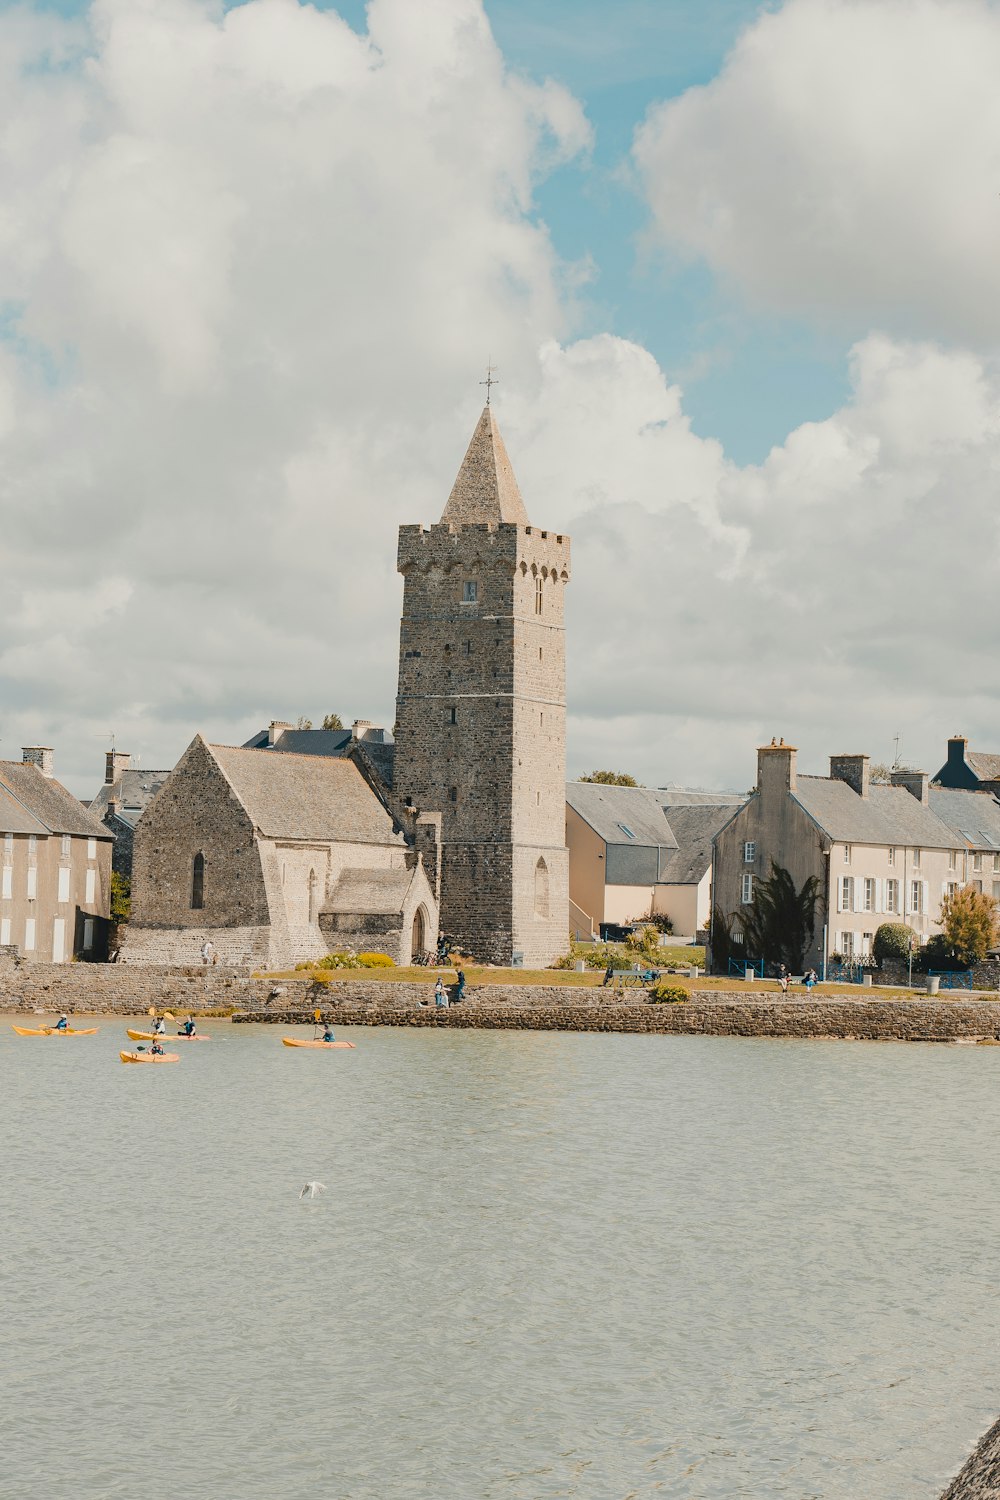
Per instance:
x=311, y=1189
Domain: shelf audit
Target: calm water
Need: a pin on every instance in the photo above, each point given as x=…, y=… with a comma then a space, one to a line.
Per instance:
x=564, y=1265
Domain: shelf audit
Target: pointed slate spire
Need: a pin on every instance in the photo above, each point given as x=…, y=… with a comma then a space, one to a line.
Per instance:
x=485, y=491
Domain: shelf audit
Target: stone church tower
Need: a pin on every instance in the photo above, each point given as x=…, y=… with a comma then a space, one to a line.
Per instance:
x=481, y=709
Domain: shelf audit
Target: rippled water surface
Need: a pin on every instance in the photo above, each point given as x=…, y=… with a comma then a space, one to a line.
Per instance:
x=545, y=1265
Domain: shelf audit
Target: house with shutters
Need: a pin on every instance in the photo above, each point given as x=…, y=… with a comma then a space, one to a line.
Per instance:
x=55, y=865
x=881, y=853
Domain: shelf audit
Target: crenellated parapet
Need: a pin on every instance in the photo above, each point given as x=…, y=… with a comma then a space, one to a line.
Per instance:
x=446, y=548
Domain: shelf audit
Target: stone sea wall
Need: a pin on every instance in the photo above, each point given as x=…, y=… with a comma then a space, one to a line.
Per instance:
x=131, y=990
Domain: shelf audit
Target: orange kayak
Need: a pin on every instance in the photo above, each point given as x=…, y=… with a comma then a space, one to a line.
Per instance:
x=294, y=1041
x=149, y=1057
x=55, y=1031
x=150, y=1036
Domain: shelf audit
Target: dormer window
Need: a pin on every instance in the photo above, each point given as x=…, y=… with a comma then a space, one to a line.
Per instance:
x=470, y=592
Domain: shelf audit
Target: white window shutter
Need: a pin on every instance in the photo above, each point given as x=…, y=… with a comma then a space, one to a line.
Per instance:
x=879, y=895
x=926, y=903
x=904, y=904
x=840, y=893
x=858, y=904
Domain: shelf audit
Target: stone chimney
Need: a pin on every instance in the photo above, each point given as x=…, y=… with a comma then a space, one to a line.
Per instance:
x=854, y=769
x=113, y=804
x=115, y=762
x=957, y=746
x=776, y=768
x=275, y=730
x=917, y=783
x=38, y=755
x=360, y=728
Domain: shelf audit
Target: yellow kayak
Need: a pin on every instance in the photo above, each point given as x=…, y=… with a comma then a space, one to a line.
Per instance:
x=150, y=1057
x=55, y=1031
x=294, y=1041
x=150, y=1036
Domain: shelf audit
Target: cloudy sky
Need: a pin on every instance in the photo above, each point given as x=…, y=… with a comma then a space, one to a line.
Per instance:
x=739, y=267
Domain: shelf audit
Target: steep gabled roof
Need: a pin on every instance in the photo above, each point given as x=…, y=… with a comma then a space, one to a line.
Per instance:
x=974, y=816
x=48, y=802
x=889, y=815
x=369, y=891
x=133, y=791
x=485, y=491
x=694, y=828
x=306, y=797
x=615, y=811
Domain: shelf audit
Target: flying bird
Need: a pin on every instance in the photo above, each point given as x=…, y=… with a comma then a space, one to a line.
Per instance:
x=311, y=1189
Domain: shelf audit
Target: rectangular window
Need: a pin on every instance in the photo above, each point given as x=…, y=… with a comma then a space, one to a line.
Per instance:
x=892, y=895
x=952, y=858
x=7, y=888
x=470, y=593
x=63, y=885
x=847, y=854
x=468, y=648
x=747, y=890
x=453, y=716
x=847, y=944
x=626, y=830
x=996, y=890
x=8, y=846
x=65, y=846
x=866, y=944
x=916, y=859
x=847, y=892
x=977, y=861
x=4, y=931
x=32, y=882
x=88, y=934
x=32, y=848
x=977, y=885
x=951, y=889
x=453, y=794
x=996, y=864
x=91, y=887
x=58, y=940
x=91, y=848
x=749, y=852
x=29, y=935
x=869, y=895
x=916, y=895
x=892, y=858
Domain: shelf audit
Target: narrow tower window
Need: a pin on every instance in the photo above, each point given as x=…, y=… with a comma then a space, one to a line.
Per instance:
x=538, y=596
x=541, y=889
x=453, y=715
x=470, y=592
x=198, y=882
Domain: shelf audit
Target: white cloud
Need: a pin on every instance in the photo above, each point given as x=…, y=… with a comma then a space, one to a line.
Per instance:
x=845, y=164
x=250, y=264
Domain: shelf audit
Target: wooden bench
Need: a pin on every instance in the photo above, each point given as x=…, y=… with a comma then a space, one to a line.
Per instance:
x=634, y=976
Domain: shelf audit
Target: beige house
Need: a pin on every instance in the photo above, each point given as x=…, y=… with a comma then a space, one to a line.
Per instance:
x=55, y=865
x=880, y=853
x=636, y=852
x=275, y=859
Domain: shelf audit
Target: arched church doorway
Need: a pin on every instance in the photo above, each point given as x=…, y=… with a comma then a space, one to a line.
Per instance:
x=419, y=932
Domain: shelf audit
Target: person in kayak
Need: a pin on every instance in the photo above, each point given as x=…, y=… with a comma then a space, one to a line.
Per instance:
x=156, y=1049
x=188, y=1028
x=63, y=1023
x=328, y=1035
x=159, y=1026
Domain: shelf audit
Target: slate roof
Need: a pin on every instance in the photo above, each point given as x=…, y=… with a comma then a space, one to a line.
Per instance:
x=17, y=819
x=485, y=490
x=133, y=791
x=986, y=767
x=606, y=808
x=974, y=816
x=672, y=797
x=369, y=891
x=888, y=815
x=306, y=797
x=694, y=828
x=47, y=802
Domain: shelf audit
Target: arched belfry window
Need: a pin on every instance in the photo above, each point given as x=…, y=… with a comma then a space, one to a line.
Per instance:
x=541, y=889
x=198, y=882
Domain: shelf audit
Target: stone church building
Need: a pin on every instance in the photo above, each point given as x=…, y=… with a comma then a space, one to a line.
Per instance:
x=301, y=842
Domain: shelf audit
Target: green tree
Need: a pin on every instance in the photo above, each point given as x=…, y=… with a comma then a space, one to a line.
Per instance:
x=304, y=723
x=892, y=941
x=121, y=897
x=611, y=778
x=779, y=922
x=969, y=924
x=333, y=721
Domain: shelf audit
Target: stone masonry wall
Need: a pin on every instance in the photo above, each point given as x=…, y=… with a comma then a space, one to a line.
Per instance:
x=93, y=989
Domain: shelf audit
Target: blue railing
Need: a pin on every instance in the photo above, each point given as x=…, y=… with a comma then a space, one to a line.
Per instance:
x=952, y=979
x=851, y=972
x=740, y=967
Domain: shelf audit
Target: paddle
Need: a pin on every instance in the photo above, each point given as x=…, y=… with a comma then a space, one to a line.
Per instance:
x=316, y=1022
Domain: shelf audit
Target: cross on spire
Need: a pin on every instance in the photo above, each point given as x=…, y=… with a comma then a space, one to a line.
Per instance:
x=490, y=380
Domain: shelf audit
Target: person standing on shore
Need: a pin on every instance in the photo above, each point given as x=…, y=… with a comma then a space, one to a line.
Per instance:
x=440, y=998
